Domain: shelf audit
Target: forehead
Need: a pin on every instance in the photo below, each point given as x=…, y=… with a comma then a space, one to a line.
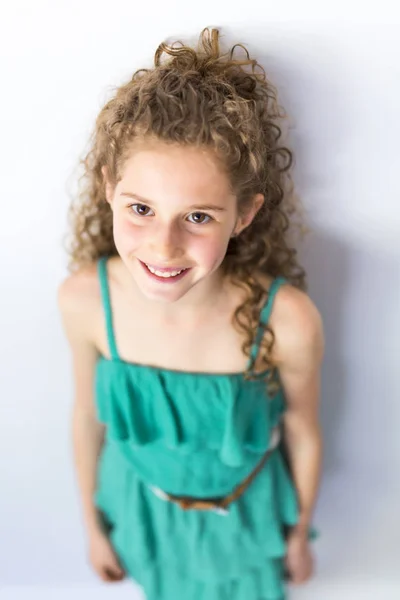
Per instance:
x=166, y=172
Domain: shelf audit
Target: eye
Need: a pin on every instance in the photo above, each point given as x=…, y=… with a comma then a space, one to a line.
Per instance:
x=141, y=209
x=199, y=218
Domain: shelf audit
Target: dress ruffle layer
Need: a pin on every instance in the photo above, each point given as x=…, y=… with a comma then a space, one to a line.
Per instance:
x=197, y=435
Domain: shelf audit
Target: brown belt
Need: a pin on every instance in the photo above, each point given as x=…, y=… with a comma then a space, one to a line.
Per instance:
x=220, y=505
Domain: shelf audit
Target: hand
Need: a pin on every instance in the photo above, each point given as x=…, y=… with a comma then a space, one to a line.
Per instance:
x=299, y=559
x=103, y=558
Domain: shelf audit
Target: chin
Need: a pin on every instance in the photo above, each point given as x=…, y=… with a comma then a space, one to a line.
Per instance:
x=165, y=295
x=160, y=298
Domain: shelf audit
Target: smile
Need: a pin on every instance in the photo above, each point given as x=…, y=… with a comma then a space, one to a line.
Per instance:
x=161, y=273
x=164, y=274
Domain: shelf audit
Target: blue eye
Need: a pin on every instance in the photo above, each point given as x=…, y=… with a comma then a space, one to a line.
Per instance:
x=199, y=218
x=141, y=210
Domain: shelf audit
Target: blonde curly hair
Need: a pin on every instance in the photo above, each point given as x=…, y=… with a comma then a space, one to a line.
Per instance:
x=202, y=97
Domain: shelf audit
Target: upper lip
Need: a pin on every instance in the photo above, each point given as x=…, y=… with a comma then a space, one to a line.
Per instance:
x=164, y=269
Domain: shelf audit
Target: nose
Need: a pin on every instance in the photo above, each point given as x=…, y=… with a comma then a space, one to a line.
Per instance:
x=166, y=243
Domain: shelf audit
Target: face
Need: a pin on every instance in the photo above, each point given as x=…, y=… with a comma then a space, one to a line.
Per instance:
x=173, y=216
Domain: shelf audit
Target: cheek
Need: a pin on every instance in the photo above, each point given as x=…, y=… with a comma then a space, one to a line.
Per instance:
x=126, y=234
x=209, y=250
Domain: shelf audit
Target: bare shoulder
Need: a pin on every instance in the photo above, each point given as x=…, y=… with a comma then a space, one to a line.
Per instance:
x=78, y=299
x=79, y=302
x=79, y=290
x=294, y=310
x=296, y=323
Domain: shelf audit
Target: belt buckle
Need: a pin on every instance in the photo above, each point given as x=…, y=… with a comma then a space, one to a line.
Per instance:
x=219, y=510
x=159, y=493
x=275, y=437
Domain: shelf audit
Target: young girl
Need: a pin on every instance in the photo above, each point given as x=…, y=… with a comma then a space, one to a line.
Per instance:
x=196, y=354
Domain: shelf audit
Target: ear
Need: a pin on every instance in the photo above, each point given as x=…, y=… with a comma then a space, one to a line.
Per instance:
x=245, y=219
x=107, y=185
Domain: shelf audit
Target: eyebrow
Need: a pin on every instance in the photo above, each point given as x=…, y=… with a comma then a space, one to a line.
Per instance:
x=194, y=207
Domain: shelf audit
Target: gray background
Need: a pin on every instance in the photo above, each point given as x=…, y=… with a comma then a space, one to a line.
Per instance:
x=339, y=79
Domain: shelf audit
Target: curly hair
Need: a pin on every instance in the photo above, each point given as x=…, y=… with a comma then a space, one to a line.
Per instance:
x=204, y=98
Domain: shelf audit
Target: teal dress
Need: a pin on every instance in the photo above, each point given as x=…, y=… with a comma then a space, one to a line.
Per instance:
x=192, y=434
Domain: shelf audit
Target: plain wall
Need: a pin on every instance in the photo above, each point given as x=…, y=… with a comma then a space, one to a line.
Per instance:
x=339, y=81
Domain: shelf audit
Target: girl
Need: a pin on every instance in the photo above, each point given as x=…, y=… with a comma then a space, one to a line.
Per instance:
x=196, y=354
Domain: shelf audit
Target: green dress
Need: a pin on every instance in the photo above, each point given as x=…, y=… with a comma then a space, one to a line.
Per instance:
x=191, y=434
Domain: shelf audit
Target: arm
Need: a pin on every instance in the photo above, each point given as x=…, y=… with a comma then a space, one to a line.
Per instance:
x=78, y=298
x=87, y=432
x=300, y=352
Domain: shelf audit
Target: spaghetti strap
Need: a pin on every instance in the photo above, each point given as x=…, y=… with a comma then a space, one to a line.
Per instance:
x=106, y=301
x=264, y=317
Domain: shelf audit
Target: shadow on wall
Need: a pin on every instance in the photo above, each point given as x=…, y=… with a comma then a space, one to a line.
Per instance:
x=318, y=139
x=355, y=285
x=327, y=264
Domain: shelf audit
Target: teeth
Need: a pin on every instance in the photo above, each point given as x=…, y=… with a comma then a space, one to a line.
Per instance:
x=163, y=273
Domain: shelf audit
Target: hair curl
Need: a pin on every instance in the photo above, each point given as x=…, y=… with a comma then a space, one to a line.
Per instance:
x=201, y=97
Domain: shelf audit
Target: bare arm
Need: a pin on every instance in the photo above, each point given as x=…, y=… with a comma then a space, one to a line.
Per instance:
x=78, y=298
x=87, y=432
x=300, y=355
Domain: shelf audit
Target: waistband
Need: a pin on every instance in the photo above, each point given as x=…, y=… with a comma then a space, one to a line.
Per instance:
x=221, y=505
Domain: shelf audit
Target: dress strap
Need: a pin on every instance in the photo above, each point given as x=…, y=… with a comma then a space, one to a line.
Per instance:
x=106, y=301
x=264, y=317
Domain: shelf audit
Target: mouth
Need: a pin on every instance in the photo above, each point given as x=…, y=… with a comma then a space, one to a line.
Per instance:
x=164, y=275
